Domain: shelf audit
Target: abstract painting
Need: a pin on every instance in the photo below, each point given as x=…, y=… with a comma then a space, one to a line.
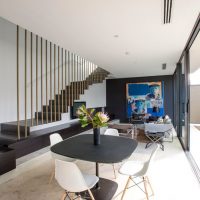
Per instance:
x=145, y=99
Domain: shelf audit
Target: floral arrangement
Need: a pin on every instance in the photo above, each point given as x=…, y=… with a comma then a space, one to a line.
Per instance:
x=88, y=116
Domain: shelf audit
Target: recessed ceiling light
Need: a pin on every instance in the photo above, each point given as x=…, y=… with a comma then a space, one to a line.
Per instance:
x=116, y=36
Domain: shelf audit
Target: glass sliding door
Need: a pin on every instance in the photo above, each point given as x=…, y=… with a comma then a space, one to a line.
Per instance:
x=183, y=101
x=194, y=114
x=187, y=85
x=180, y=102
x=176, y=100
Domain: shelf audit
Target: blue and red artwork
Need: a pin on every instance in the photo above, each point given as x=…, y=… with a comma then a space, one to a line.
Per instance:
x=145, y=98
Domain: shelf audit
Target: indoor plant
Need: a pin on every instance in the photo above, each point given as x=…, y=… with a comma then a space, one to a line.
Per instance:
x=96, y=119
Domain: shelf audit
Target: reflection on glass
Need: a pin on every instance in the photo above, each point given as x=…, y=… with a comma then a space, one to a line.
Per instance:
x=195, y=100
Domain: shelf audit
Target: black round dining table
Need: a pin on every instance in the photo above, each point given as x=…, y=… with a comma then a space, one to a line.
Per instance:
x=112, y=149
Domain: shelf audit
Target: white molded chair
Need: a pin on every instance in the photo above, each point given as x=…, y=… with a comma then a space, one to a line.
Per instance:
x=71, y=179
x=135, y=169
x=112, y=132
x=54, y=139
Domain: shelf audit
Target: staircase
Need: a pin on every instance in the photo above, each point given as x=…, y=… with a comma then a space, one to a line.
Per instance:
x=53, y=111
x=60, y=103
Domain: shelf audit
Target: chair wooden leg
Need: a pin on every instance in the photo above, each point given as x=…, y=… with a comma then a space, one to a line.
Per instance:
x=145, y=187
x=147, y=178
x=126, y=186
x=114, y=171
x=91, y=195
x=64, y=196
x=79, y=197
x=71, y=195
x=52, y=176
x=53, y=172
x=133, y=134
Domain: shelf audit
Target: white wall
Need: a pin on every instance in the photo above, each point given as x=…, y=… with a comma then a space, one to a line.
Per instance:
x=8, y=87
x=95, y=96
x=7, y=71
x=194, y=104
x=8, y=83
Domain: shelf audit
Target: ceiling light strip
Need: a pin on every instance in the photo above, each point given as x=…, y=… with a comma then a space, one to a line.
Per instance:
x=170, y=11
x=164, y=11
x=167, y=11
x=167, y=14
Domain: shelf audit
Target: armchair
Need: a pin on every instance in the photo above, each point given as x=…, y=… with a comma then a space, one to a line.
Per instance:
x=157, y=132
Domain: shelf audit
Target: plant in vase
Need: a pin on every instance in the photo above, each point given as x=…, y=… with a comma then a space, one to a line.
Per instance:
x=96, y=119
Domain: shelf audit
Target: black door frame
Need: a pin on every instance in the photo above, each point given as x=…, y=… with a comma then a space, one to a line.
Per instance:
x=186, y=55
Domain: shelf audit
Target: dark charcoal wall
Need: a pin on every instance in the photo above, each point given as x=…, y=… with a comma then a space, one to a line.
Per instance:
x=116, y=94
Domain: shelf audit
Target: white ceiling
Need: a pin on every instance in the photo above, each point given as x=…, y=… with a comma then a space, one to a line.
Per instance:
x=87, y=27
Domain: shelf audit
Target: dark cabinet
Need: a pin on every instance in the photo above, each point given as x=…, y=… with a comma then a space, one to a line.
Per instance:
x=7, y=159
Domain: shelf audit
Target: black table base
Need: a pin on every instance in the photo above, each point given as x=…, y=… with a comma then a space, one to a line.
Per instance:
x=106, y=190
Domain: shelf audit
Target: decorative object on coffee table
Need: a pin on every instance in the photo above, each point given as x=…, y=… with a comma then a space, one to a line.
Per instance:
x=97, y=119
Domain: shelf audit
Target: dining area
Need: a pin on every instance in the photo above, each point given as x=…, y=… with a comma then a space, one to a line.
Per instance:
x=113, y=150
x=107, y=148
x=32, y=179
x=97, y=147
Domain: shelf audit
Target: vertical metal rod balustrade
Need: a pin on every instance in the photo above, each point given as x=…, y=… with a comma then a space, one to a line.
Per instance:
x=36, y=96
x=47, y=113
x=69, y=80
x=58, y=83
x=77, y=81
x=62, y=73
x=25, y=82
x=31, y=75
x=41, y=62
x=50, y=57
x=66, y=108
x=55, y=109
x=75, y=97
x=18, y=107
